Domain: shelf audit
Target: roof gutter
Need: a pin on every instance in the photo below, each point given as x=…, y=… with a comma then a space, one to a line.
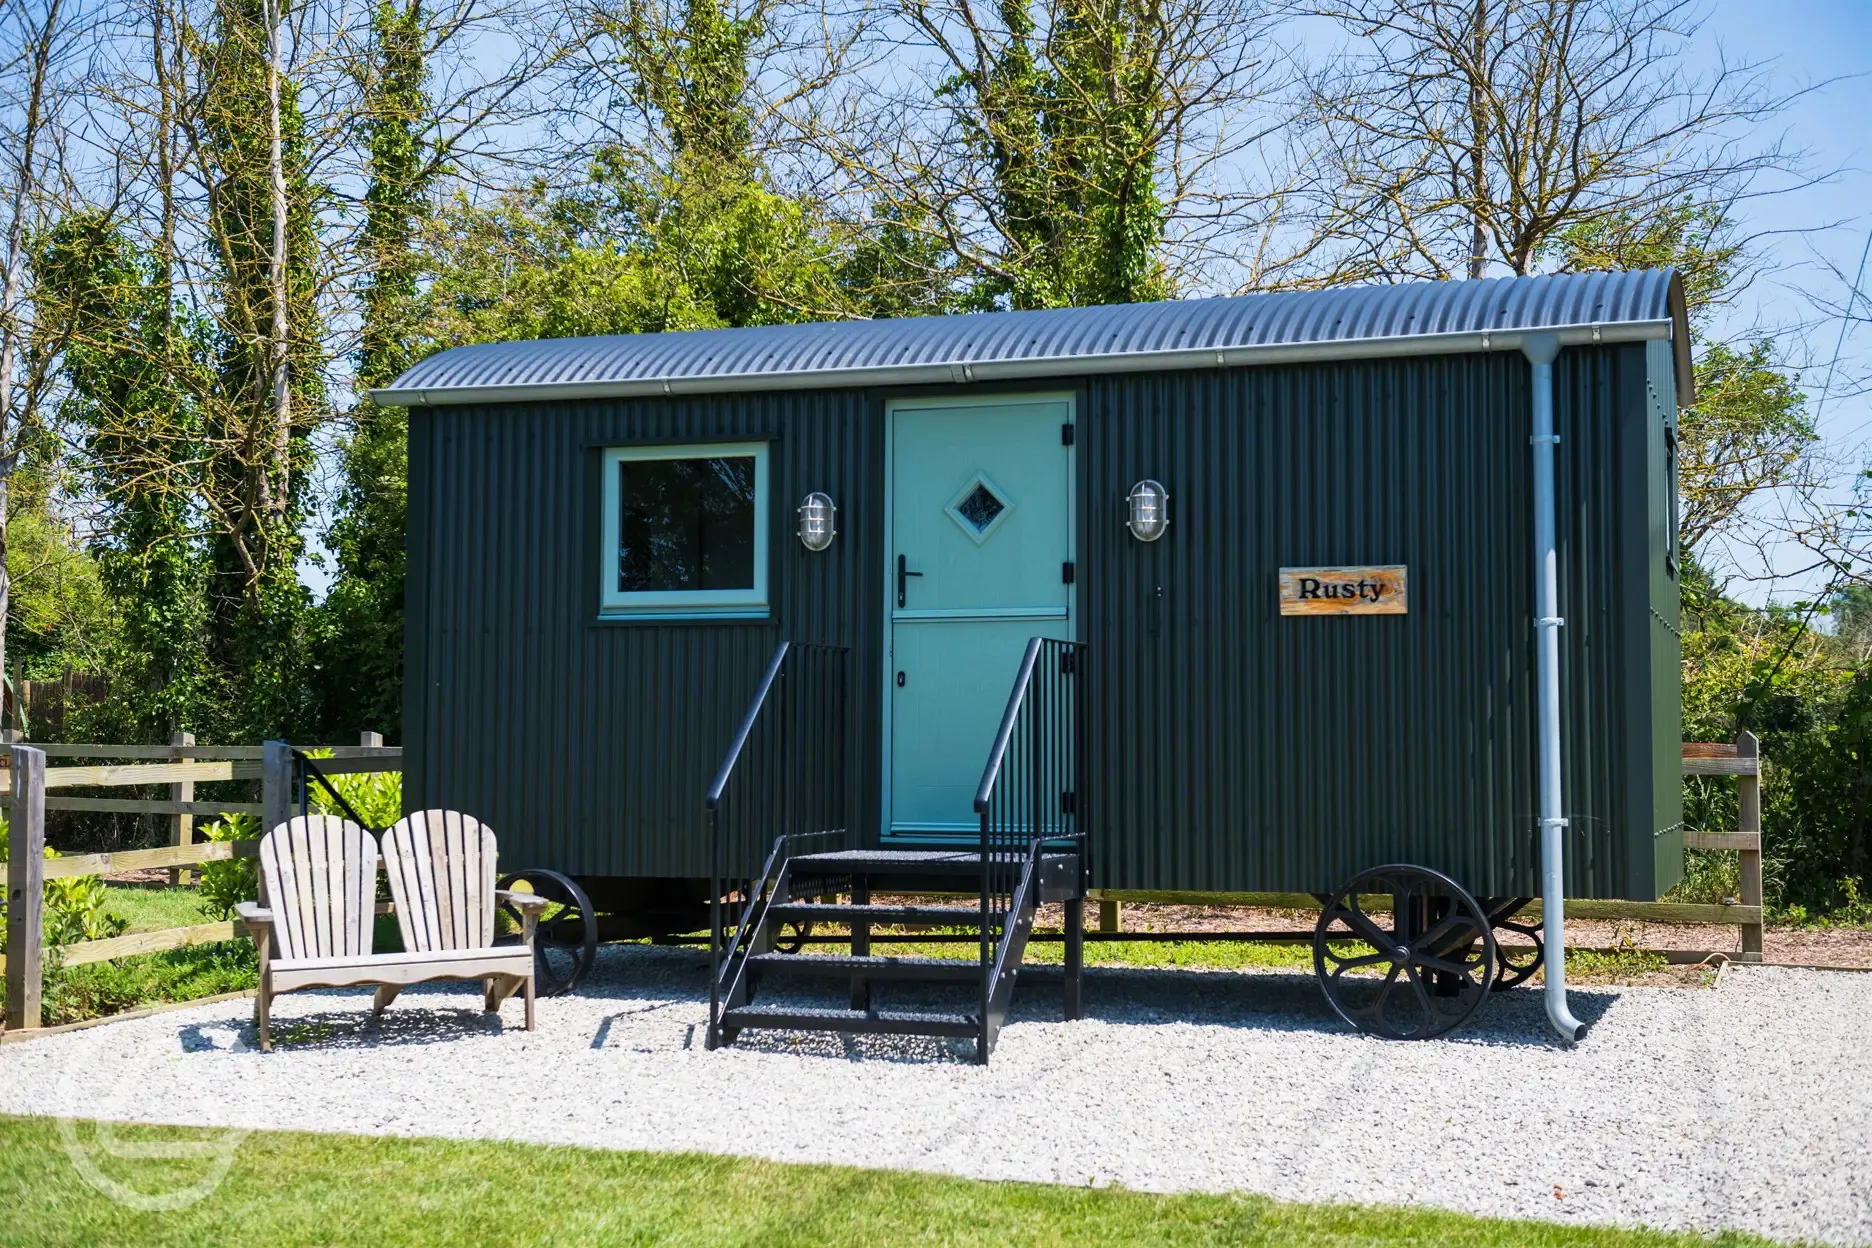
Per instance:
x=1027, y=369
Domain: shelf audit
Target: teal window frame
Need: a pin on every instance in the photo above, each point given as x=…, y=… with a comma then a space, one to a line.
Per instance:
x=750, y=603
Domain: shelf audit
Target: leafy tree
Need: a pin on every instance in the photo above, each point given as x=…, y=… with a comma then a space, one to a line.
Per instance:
x=361, y=673
x=271, y=391
x=127, y=358
x=62, y=613
x=1068, y=119
x=683, y=233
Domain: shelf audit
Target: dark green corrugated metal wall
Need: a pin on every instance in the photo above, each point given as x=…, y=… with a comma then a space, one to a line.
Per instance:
x=1234, y=748
x=1664, y=706
x=588, y=745
x=1231, y=748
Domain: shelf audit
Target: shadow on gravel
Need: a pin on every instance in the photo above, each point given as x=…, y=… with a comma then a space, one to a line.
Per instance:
x=1120, y=996
x=410, y=1021
x=1275, y=1001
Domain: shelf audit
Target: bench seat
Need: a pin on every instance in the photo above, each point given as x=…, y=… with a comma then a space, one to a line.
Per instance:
x=401, y=969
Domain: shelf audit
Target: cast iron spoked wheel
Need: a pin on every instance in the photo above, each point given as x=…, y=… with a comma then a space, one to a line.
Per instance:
x=566, y=942
x=793, y=936
x=1414, y=974
x=1516, y=963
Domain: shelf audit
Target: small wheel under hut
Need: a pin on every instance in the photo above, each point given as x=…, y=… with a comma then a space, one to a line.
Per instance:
x=1415, y=973
x=1515, y=961
x=565, y=944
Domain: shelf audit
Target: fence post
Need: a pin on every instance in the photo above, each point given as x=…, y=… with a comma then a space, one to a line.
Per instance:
x=1749, y=823
x=371, y=739
x=25, y=889
x=277, y=798
x=276, y=793
x=182, y=827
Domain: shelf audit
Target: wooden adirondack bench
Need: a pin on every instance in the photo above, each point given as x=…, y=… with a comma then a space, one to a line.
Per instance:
x=319, y=880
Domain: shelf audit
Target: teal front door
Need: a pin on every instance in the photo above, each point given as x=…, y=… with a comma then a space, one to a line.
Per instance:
x=980, y=560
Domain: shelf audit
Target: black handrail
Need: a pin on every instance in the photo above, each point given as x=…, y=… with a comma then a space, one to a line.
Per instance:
x=782, y=780
x=997, y=753
x=735, y=748
x=309, y=770
x=1028, y=802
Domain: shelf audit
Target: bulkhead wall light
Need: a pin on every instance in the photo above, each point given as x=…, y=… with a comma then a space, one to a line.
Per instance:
x=1150, y=510
x=817, y=521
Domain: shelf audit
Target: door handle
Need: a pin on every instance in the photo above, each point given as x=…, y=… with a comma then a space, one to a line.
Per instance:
x=903, y=577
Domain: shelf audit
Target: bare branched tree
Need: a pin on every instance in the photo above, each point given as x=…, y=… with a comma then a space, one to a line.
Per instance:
x=1457, y=137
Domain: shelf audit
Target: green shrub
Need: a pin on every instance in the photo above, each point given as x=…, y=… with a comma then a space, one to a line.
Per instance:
x=97, y=989
x=377, y=796
x=74, y=905
x=1808, y=698
x=227, y=882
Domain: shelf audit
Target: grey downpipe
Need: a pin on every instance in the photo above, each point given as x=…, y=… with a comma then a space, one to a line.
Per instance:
x=1541, y=350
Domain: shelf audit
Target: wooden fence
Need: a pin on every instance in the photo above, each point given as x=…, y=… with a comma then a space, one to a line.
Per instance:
x=1741, y=760
x=28, y=788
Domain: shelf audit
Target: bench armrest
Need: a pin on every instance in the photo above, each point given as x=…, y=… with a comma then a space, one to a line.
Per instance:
x=250, y=913
x=523, y=902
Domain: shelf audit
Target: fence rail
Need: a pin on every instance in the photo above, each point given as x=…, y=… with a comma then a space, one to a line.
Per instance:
x=1740, y=759
x=24, y=784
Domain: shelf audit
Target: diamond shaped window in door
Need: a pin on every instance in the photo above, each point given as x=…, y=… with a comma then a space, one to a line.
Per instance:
x=980, y=507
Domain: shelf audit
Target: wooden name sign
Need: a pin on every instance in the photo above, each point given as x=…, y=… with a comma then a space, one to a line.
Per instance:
x=1343, y=591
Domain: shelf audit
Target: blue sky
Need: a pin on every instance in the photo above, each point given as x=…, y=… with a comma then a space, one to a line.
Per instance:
x=1812, y=41
x=1813, y=229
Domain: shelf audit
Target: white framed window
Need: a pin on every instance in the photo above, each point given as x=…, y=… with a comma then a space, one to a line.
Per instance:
x=685, y=530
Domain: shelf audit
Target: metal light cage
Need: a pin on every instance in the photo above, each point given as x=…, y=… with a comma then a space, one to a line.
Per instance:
x=1150, y=510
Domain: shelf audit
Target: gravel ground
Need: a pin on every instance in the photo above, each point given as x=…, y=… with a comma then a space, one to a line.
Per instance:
x=1745, y=1107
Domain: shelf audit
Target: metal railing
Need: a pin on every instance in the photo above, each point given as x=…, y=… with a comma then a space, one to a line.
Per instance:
x=783, y=781
x=1028, y=802
x=307, y=772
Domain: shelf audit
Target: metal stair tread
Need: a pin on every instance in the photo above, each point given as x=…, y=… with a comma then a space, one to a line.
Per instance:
x=872, y=966
x=887, y=1022
x=932, y=916
x=907, y=861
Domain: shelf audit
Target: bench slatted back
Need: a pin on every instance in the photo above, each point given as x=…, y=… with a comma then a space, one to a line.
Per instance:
x=441, y=865
x=320, y=874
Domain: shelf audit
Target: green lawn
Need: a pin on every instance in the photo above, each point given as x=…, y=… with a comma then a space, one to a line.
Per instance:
x=152, y=909
x=1229, y=955
x=292, y=1188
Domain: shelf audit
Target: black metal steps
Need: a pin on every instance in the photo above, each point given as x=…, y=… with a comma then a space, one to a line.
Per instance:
x=874, y=1022
x=909, y=862
x=914, y=916
x=946, y=970
x=895, y=861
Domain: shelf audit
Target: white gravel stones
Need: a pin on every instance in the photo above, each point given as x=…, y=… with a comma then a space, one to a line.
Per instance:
x=1748, y=1106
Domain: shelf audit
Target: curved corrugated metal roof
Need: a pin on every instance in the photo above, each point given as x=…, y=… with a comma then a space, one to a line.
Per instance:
x=1347, y=322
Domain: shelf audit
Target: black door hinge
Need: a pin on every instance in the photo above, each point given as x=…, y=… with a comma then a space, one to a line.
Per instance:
x=1066, y=573
x=1066, y=434
x=1069, y=802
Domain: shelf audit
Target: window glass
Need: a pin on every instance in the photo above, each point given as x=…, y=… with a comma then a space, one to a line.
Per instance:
x=685, y=530
x=685, y=524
